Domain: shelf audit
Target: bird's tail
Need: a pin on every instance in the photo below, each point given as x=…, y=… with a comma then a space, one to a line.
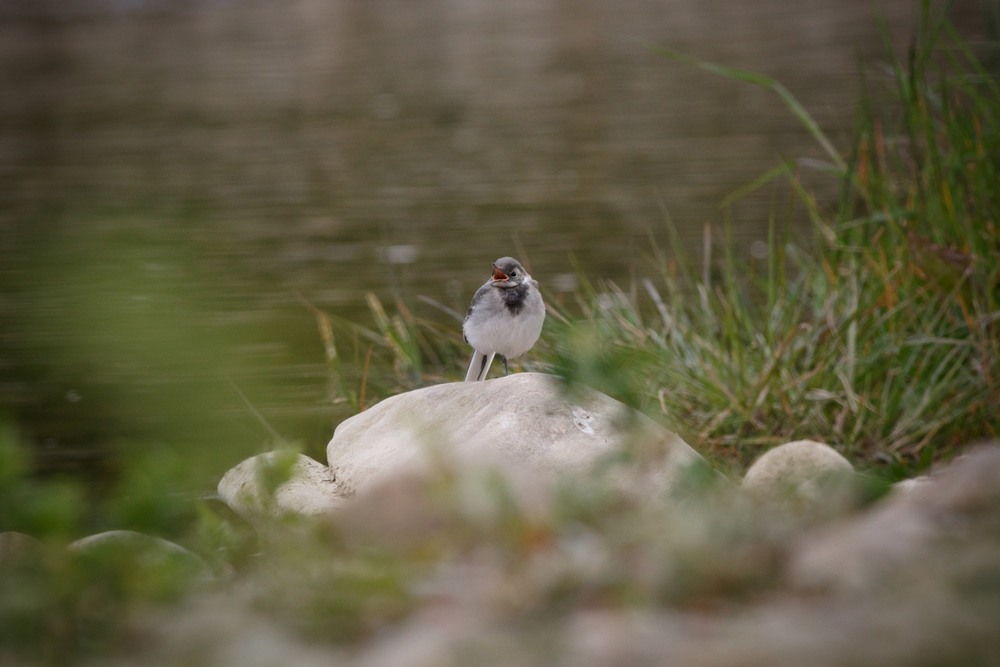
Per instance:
x=479, y=366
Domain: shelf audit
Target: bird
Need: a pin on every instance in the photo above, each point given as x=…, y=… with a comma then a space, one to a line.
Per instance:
x=505, y=317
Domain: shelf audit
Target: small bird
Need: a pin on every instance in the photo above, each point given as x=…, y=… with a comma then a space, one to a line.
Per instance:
x=505, y=317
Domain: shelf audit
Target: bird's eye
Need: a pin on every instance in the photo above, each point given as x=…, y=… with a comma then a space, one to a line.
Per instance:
x=513, y=273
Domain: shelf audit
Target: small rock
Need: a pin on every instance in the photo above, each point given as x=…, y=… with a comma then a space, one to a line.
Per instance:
x=796, y=470
x=908, y=485
x=143, y=552
x=310, y=489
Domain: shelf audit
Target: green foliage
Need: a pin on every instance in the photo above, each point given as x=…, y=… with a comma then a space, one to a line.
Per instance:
x=145, y=497
x=881, y=339
x=46, y=510
x=59, y=603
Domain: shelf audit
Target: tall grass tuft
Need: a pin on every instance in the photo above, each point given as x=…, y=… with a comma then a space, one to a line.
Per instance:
x=882, y=337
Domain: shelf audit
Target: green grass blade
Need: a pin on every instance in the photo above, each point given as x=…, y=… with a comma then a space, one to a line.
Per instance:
x=752, y=78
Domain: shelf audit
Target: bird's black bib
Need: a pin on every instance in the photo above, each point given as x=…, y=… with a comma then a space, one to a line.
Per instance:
x=513, y=298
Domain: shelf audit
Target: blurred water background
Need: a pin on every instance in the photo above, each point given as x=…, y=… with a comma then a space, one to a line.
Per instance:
x=178, y=178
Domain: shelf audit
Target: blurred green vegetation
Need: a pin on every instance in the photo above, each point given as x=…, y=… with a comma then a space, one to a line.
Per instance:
x=879, y=336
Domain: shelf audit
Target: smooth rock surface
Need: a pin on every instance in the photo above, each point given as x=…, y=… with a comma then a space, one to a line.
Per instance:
x=912, y=532
x=311, y=489
x=523, y=425
x=795, y=469
x=524, y=420
x=146, y=551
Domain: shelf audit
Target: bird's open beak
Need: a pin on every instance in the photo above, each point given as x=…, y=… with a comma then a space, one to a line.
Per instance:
x=499, y=275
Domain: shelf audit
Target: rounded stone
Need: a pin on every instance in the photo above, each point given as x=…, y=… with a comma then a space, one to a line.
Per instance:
x=526, y=420
x=143, y=552
x=795, y=468
x=309, y=488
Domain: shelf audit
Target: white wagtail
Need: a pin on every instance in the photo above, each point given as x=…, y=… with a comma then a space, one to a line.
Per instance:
x=505, y=317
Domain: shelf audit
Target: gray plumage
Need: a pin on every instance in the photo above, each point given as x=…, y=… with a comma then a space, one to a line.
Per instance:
x=505, y=317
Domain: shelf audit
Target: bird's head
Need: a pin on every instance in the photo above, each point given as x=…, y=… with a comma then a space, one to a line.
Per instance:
x=508, y=272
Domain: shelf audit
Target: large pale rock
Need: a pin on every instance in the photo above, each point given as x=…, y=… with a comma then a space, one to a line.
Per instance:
x=524, y=425
x=523, y=420
x=796, y=469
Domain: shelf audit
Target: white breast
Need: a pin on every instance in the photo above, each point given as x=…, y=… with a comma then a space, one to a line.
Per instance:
x=507, y=334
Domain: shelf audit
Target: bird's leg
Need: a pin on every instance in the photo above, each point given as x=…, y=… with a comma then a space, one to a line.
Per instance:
x=505, y=371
